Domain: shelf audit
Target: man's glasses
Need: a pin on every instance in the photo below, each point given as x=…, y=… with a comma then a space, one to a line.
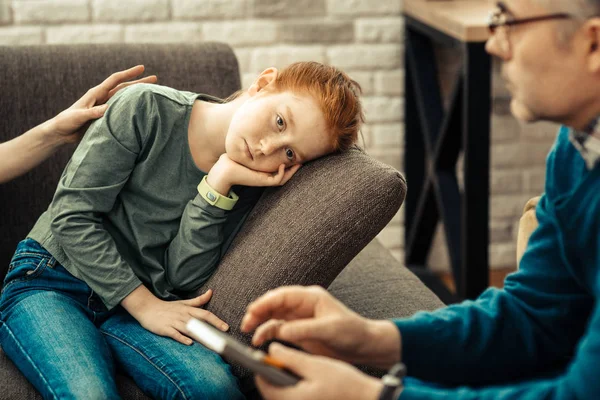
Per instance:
x=500, y=22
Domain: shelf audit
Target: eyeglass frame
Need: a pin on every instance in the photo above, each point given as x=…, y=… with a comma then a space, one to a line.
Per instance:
x=494, y=19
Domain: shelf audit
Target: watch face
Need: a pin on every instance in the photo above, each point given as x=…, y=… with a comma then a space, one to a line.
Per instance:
x=211, y=196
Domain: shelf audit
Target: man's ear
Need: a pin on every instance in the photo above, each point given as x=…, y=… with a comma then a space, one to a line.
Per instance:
x=266, y=78
x=592, y=36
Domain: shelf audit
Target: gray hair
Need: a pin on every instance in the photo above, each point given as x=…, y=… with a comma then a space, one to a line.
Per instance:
x=581, y=10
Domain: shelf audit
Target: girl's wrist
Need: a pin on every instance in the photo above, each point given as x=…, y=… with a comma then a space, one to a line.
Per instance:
x=219, y=182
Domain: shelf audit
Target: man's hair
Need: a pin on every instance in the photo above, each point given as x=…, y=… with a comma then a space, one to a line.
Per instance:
x=579, y=9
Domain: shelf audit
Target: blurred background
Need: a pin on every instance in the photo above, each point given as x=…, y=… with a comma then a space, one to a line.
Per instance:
x=363, y=37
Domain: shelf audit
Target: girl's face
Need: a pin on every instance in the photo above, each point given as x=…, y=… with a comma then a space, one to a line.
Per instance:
x=270, y=129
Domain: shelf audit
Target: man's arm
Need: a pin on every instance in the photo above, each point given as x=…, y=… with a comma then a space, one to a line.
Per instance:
x=579, y=381
x=531, y=326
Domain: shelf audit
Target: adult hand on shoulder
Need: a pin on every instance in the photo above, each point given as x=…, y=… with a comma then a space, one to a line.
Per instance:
x=320, y=324
x=226, y=173
x=322, y=378
x=70, y=125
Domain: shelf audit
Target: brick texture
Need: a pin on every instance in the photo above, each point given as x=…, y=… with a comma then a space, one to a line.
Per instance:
x=84, y=34
x=20, y=35
x=5, y=12
x=51, y=11
x=209, y=9
x=288, y=8
x=363, y=37
x=134, y=11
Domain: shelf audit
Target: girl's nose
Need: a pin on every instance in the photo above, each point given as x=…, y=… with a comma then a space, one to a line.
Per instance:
x=268, y=146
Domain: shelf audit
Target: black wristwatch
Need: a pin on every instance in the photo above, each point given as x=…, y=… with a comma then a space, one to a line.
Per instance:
x=392, y=382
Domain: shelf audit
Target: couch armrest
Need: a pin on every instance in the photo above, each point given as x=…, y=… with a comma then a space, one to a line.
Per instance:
x=527, y=225
x=305, y=232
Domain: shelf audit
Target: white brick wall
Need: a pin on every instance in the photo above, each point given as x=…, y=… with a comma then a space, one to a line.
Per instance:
x=131, y=11
x=50, y=11
x=5, y=15
x=363, y=37
x=209, y=9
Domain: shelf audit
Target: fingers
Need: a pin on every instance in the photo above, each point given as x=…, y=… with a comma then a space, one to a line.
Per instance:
x=270, y=391
x=289, y=173
x=147, y=79
x=295, y=331
x=277, y=179
x=121, y=76
x=296, y=361
x=210, y=318
x=267, y=331
x=200, y=300
x=286, y=303
x=175, y=333
x=81, y=116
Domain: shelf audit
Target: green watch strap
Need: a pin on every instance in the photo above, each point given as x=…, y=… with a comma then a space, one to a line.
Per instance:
x=215, y=198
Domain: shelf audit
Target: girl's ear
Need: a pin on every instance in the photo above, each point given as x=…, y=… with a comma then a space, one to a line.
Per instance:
x=266, y=78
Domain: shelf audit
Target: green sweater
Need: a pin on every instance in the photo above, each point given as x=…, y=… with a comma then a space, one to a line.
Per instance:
x=126, y=210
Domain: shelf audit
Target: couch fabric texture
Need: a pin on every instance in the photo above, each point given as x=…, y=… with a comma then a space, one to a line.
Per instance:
x=303, y=233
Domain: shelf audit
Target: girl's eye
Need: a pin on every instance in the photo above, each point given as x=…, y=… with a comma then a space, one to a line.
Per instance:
x=280, y=122
x=289, y=153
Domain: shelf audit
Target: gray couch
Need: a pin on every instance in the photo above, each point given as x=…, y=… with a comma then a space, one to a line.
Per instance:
x=303, y=233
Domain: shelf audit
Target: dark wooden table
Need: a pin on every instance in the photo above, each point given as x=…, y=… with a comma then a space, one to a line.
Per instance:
x=436, y=136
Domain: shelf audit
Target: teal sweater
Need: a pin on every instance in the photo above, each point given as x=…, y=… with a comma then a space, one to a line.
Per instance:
x=539, y=337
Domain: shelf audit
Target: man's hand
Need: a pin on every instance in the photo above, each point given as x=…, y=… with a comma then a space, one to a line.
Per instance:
x=314, y=320
x=226, y=173
x=70, y=125
x=169, y=318
x=322, y=379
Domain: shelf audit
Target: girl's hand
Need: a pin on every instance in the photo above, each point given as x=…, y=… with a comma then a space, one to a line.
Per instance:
x=226, y=173
x=70, y=125
x=169, y=318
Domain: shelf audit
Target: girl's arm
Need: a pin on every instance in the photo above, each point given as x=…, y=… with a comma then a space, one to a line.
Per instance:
x=88, y=190
x=25, y=152
x=206, y=229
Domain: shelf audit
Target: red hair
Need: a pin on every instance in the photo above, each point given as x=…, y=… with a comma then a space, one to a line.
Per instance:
x=336, y=93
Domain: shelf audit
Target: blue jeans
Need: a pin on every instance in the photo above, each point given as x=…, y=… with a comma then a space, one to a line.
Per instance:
x=68, y=345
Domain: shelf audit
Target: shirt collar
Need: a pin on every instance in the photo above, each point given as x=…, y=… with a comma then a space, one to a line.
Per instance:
x=587, y=142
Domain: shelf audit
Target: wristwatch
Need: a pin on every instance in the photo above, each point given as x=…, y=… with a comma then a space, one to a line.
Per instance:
x=392, y=382
x=215, y=198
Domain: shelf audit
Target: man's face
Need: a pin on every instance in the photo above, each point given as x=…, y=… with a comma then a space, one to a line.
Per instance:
x=543, y=75
x=272, y=128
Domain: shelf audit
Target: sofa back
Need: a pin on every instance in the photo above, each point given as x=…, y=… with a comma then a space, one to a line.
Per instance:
x=37, y=82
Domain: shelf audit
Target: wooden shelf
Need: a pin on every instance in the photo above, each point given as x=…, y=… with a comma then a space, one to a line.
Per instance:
x=465, y=20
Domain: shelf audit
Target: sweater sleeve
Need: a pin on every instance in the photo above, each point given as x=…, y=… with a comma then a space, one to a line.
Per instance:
x=579, y=381
x=204, y=233
x=532, y=325
x=88, y=188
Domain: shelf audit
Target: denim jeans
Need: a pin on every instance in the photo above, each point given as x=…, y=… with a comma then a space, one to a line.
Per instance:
x=68, y=345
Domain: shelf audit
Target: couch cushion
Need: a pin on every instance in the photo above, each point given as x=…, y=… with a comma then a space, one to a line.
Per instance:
x=378, y=286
